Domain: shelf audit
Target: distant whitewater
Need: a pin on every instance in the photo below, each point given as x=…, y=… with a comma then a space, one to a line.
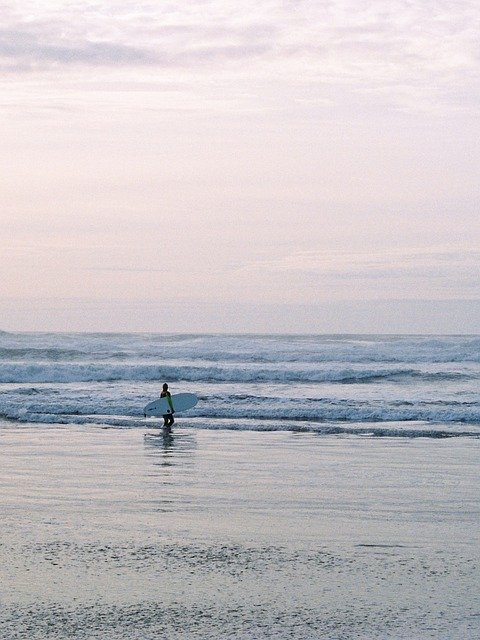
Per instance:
x=415, y=386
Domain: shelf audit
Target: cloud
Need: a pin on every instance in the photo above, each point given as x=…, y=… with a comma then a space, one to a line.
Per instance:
x=384, y=54
x=29, y=50
x=340, y=34
x=125, y=269
x=26, y=51
x=95, y=34
x=400, y=259
x=422, y=271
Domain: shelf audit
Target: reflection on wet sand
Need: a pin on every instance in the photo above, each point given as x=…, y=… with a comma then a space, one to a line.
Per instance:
x=165, y=449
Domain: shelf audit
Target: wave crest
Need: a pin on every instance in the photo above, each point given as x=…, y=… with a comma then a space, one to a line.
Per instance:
x=85, y=372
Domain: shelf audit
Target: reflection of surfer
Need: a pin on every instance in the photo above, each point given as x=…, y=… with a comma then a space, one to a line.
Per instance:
x=168, y=418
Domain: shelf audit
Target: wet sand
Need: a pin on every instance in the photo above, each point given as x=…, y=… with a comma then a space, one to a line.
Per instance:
x=119, y=534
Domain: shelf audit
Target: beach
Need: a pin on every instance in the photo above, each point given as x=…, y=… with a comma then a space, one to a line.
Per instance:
x=122, y=533
x=257, y=223
x=323, y=487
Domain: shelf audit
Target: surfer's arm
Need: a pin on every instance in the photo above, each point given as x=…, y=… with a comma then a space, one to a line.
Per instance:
x=170, y=403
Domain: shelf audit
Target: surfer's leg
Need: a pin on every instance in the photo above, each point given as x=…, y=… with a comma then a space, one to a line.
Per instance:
x=168, y=420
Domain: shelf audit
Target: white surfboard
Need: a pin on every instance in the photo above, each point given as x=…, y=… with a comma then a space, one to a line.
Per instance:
x=161, y=406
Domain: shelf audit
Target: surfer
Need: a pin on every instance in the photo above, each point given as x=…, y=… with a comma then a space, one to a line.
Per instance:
x=168, y=418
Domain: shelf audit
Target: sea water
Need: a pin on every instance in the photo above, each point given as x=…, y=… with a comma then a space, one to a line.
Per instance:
x=324, y=487
x=423, y=386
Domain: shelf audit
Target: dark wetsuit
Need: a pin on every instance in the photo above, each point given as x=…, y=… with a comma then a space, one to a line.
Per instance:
x=168, y=418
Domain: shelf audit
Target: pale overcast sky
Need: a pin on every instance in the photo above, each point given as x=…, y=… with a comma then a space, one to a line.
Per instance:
x=266, y=165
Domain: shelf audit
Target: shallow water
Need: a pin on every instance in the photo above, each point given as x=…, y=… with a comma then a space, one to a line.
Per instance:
x=124, y=534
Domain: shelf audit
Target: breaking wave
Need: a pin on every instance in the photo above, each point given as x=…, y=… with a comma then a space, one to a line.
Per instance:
x=75, y=409
x=86, y=372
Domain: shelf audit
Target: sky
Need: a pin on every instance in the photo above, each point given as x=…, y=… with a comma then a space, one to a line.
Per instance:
x=254, y=166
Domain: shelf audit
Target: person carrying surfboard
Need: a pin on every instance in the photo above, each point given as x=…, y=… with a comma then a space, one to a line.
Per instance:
x=168, y=418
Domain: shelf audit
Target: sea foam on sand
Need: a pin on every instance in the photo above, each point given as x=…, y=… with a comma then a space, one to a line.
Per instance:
x=118, y=534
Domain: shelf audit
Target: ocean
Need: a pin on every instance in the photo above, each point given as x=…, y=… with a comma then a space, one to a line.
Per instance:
x=324, y=487
x=420, y=386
